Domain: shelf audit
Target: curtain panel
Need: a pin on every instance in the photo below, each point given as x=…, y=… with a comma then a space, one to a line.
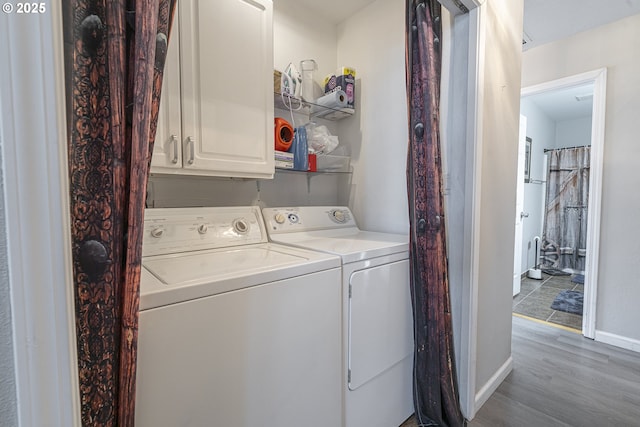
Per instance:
x=114, y=57
x=564, y=241
x=435, y=383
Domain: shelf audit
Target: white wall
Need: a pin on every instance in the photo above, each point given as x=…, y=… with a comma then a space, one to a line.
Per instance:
x=453, y=101
x=573, y=132
x=298, y=35
x=614, y=46
x=542, y=131
x=286, y=189
x=8, y=398
x=501, y=115
x=373, y=41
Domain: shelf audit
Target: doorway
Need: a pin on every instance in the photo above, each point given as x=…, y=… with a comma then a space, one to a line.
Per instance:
x=587, y=86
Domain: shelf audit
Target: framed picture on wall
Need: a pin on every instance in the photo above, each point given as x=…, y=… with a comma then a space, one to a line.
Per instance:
x=527, y=161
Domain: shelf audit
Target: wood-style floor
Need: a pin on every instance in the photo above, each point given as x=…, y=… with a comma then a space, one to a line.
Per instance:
x=561, y=378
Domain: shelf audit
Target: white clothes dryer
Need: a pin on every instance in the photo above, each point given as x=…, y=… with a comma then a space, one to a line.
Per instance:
x=233, y=330
x=377, y=314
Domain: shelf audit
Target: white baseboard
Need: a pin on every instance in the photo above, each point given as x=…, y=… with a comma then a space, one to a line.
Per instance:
x=492, y=385
x=618, y=341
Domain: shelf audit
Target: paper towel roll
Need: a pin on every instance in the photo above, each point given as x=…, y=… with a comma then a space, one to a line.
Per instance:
x=334, y=100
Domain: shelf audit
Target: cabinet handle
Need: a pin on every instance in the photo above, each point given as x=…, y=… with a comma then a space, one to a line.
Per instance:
x=174, y=143
x=191, y=145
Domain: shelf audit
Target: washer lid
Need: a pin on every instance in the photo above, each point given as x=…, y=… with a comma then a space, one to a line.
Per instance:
x=173, y=278
x=351, y=244
x=193, y=267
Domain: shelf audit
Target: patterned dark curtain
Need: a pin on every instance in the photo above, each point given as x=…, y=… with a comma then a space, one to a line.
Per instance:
x=435, y=383
x=114, y=54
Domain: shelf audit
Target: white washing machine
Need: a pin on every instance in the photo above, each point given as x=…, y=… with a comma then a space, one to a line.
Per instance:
x=378, y=319
x=235, y=331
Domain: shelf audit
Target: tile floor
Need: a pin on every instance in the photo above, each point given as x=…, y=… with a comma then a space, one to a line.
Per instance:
x=536, y=296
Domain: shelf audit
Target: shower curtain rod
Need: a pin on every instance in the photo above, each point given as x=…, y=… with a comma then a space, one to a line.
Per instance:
x=566, y=148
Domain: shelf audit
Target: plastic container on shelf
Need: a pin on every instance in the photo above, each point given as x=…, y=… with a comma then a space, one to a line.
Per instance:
x=332, y=163
x=308, y=66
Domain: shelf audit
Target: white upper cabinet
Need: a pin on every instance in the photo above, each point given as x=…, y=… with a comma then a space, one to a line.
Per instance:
x=226, y=91
x=167, y=150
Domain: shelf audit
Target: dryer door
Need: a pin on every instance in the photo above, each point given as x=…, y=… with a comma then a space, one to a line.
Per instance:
x=380, y=321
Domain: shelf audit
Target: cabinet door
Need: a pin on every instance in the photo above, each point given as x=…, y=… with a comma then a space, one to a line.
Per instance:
x=167, y=151
x=227, y=86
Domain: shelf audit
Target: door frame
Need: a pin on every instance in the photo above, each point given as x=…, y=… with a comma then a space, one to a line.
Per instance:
x=519, y=211
x=36, y=205
x=598, y=78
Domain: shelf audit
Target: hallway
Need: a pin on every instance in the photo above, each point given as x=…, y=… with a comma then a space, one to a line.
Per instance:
x=562, y=379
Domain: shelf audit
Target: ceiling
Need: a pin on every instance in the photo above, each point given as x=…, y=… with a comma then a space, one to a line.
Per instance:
x=565, y=104
x=334, y=11
x=549, y=20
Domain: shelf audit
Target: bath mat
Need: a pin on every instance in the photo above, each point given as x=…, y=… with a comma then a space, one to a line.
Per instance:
x=554, y=271
x=569, y=302
x=578, y=278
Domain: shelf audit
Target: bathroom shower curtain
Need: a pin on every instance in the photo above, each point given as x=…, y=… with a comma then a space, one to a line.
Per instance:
x=435, y=384
x=564, y=239
x=114, y=57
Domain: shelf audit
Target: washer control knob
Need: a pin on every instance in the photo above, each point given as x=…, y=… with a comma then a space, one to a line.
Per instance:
x=241, y=226
x=157, y=232
x=293, y=218
x=339, y=216
x=203, y=228
x=279, y=218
